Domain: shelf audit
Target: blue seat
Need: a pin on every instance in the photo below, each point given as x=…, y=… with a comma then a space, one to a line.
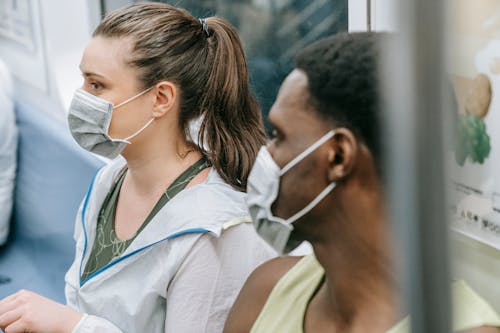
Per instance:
x=52, y=178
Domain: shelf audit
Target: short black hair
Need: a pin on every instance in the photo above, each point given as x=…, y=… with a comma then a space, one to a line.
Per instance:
x=342, y=72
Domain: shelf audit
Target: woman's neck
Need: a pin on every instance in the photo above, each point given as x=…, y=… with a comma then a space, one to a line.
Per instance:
x=155, y=164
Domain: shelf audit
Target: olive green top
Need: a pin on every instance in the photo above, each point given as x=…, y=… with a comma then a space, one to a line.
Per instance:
x=107, y=247
x=286, y=306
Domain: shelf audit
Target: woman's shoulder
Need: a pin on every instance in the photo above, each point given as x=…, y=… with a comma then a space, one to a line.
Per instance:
x=212, y=197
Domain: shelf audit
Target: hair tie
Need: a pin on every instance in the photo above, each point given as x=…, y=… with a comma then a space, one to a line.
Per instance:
x=204, y=26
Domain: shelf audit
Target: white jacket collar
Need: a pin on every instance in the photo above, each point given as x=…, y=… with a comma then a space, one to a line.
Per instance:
x=202, y=208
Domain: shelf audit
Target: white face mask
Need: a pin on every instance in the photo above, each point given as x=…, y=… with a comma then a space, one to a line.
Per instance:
x=89, y=118
x=262, y=190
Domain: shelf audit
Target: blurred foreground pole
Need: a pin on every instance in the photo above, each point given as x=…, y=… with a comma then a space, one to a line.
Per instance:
x=414, y=70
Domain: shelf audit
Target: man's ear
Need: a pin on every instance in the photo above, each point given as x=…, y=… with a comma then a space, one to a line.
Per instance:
x=165, y=98
x=342, y=154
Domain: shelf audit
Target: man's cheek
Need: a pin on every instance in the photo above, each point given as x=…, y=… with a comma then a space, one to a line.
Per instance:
x=277, y=206
x=285, y=204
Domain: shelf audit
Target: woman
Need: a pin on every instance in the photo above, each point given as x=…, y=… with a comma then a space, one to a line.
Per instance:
x=159, y=241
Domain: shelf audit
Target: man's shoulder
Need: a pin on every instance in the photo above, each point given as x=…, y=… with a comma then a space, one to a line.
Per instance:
x=255, y=292
x=267, y=275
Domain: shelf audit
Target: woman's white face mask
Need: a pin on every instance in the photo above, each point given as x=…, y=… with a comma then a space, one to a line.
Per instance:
x=89, y=118
x=263, y=188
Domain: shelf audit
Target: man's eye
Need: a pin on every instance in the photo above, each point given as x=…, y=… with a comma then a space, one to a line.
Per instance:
x=274, y=134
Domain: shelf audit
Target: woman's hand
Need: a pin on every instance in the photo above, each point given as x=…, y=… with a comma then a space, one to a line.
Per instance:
x=26, y=311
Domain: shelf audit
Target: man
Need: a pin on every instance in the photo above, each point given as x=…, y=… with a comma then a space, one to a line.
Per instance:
x=325, y=156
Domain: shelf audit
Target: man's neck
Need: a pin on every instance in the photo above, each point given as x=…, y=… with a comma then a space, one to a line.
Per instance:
x=352, y=243
x=358, y=294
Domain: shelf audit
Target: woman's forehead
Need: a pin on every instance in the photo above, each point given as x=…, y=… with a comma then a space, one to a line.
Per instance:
x=107, y=57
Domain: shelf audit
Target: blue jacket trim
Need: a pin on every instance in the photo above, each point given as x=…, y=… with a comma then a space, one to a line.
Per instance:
x=84, y=208
x=177, y=234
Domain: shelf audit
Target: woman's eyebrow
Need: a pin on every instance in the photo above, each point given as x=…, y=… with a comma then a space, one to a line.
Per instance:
x=89, y=73
x=92, y=74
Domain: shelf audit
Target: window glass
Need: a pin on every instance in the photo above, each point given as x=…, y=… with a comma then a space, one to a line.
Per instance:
x=272, y=31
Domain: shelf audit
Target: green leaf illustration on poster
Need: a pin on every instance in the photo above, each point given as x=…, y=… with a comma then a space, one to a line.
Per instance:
x=472, y=140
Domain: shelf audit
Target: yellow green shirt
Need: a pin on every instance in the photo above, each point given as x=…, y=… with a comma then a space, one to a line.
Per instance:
x=285, y=308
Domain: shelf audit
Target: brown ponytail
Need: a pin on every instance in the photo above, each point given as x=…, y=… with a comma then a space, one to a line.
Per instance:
x=232, y=119
x=209, y=66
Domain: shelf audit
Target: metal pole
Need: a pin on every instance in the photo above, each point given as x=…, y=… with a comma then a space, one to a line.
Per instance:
x=369, y=15
x=413, y=67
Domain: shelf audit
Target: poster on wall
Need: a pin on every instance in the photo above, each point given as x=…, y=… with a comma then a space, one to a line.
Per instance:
x=16, y=24
x=474, y=161
x=21, y=42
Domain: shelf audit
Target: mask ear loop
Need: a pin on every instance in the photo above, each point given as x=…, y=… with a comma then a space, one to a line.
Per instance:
x=131, y=98
x=312, y=204
x=138, y=132
x=308, y=151
x=127, y=139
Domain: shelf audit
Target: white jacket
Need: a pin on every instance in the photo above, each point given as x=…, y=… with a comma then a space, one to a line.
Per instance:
x=182, y=272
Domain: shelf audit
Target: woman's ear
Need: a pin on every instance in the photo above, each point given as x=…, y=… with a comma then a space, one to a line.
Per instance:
x=342, y=154
x=165, y=98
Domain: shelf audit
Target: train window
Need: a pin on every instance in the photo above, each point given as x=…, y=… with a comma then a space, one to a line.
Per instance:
x=272, y=32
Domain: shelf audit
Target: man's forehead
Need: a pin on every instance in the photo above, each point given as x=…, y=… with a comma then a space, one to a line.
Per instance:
x=294, y=89
x=292, y=107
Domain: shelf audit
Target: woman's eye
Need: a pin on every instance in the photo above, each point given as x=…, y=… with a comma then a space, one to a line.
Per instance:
x=95, y=85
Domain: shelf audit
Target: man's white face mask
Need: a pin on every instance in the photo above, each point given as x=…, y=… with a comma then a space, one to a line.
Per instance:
x=89, y=118
x=263, y=188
